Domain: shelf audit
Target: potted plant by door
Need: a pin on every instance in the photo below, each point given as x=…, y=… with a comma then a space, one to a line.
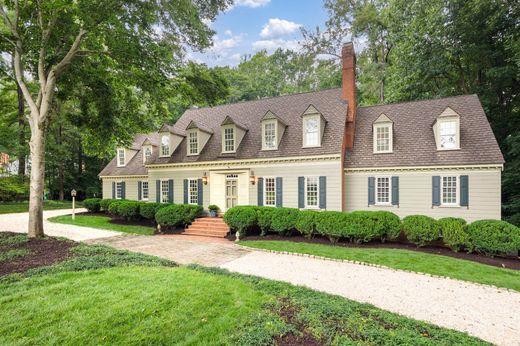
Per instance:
x=213, y=210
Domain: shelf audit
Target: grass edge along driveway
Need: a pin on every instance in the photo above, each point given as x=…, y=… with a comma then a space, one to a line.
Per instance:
x=402, y=259
x=23, y=207
x=102, y=222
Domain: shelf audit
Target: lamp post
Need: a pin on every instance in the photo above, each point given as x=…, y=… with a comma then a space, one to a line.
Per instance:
x=73, y=193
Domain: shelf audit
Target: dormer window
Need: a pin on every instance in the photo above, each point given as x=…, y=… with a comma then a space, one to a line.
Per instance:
x=120, y=157
x=447, y=130
x=228, y=135
x=165, y=145
x=383, y=135
x=193, y=142
x=147, y=153
x=311, y=131
x=269, y=135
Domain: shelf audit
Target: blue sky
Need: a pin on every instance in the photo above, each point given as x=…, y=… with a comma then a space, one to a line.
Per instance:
x=253, y=25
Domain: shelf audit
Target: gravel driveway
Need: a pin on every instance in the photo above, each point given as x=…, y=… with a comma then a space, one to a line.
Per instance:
x=483, y=311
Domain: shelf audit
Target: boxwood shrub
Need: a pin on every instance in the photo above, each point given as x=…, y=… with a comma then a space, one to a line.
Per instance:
x=242, y=218
x=493, y=237
x=453, y=231
x=177, y=215
x=128, y=210
x=306, y=223
x=284, y=220
x=113, y=207
x=420, y=229
x=105, y=203
x=148, y=210
x=92, y=204
x=265, y=217
x=332, y=224
x=390, y=225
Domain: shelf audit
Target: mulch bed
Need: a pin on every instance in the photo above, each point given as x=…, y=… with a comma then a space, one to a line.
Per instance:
x=44, y=252
x=117, y=221
x=435, y=248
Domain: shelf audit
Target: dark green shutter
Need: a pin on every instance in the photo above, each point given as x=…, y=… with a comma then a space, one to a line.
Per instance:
x=464, y=191
x=260, y=200
x=139, y=188
x=170, y=191
x=158, y=191
x=395, y=190
x=371, y=190
x=113, y=190
x=199, y=192
x=123, y=190
x=279, y=192
x=301, y=192
x=436, y=190
x=323, y=192
x=185, y=191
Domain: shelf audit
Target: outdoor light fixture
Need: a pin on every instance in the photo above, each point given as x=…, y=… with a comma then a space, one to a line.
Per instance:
x=252, y=178
x=205, y=178
x=73, y=193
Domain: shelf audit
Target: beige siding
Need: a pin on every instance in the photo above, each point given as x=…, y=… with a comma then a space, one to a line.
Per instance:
x=130, y=188
x=415, y=193
x=178, y=177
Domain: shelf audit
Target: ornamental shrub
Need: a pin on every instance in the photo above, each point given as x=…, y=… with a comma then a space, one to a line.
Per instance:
x=129, y=210
x=363, y=226
x=242, y=218
x=113, y=207
x=391, y=225
x=332, y=224
x=453, y=231
x=493, y=237
x=284, y=220
x=92, y=204
x=105, y=203
x=306, y=223
x=420, y=229
x=265, y=217
x=176, y=215
x=148, y=210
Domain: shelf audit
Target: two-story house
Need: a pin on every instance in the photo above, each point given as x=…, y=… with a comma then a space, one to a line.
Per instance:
x=317, y=150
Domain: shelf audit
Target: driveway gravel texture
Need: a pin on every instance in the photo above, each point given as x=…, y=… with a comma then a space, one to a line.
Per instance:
x=490, y=313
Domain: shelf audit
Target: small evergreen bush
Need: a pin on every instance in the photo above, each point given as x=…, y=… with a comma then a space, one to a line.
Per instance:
x=105, y=204
x=265, y=217
x=242, y=218
x=420, y=229
x=92, y=204
x=284, y=220
x=113, y=207
x=493, y=237
x=129, y=210
x=306, y=223
x=148, y=210
x=453, y=231
x=177, y=215
x=332, y=224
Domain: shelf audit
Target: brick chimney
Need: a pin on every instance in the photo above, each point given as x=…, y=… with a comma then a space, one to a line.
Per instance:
x=348, y=92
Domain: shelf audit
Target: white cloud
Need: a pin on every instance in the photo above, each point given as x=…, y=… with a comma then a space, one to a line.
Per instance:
x=207, y=22
x=235, y=57
x=278, y=27
x=271, y=45
x=251, y=3
x=228, y=33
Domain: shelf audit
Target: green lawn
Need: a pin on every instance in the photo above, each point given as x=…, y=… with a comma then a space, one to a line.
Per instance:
x=102, y=222
x=403, y=259
x=22, y=207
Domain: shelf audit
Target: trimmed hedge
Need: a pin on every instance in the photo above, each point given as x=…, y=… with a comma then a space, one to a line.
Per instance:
x=242, y=218
x=333, y=225
x=176, y=215
x=148, y=210
x=306, y=223
x=493, y=237
x=129, y=210
x=113, y=207
x=283, y=220
x=265, y=216
x=420, y=229
x=105, y=204
x=92, y=204
x=453, y=231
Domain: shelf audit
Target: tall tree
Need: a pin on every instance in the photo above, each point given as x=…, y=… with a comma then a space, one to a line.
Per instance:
x=140, y=40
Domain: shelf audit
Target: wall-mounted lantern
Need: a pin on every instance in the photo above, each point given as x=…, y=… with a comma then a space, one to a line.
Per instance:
x=205, y=178
x=252, y=178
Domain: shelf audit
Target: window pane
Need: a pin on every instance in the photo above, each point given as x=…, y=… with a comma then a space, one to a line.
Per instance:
x=383, y=190
x=311, y=191
x=119, y=190
x=270, y=192
x=448, y=134
x=193, y=191
x=383, y=138
x=194, y=146
x=165, y=187
x=229, y=139
x=270, y=135
x=121, y=157
x=449, y=190
x=144, y=190
x=147, y=153
x=311, y=131
x=165, y=146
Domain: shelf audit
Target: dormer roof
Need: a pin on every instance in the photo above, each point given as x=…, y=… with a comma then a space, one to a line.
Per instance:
x=194, y=125
x=383, y=119
x=271, y=115
x=171, y=129
x=230, y=121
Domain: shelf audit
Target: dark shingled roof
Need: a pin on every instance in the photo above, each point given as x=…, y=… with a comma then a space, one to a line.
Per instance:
x=413, y=138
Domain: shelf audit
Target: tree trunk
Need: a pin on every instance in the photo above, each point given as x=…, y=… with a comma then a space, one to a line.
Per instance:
x=37, y=183
x=61, y=168
x=21, y=132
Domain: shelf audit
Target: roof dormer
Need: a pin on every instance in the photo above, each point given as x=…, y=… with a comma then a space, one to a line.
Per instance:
x=147, y=150
x=313, y=127
x=446, y=130
x=197, y=136
x=124, y=155
x=273, y=129
x=232, y=134
x=383, y=134
x=170, y=140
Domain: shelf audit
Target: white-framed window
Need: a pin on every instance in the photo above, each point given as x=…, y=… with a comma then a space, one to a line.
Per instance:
x=270, y=192
x=311, y=131
x=119, y=190
x=193, y=191
x=382, y=138
x=229, y=139
x=193, y=142
x=144, y=190
x=448, y=134
x=449, y=190
x=147, y=153
x=312, y=192
x=120, y=157
x=165, y=145
x=269, y=135
x=165, y=191
x=383, y=190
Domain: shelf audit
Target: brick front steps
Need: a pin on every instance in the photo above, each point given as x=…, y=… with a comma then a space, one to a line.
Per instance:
x=208, y=227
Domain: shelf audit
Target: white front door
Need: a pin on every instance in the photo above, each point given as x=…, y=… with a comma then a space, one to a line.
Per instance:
x=231, y=190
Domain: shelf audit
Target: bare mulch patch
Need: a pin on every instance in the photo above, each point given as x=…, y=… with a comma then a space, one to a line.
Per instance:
x=288, y=313
x=43, y=252
x=436, y=248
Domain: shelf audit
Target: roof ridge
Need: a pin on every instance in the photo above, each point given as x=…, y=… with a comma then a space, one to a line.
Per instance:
x=416, y=101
